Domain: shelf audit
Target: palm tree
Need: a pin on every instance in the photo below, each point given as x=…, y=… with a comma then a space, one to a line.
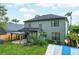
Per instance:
x=69, y=14
x=15, y=21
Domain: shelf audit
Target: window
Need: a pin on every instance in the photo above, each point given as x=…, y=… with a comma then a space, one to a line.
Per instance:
x=56, y=23
x=56, y=35
x=52, y=23
x=29, y=25
x=40, y=25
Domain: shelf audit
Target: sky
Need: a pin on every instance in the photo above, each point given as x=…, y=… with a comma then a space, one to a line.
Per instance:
x=24, y=11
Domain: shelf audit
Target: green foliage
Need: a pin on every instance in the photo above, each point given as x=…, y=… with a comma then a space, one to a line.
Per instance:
x=13, y=49
x=15, y=21
x=50, y=41
x=73, y=36
x=35, y=41
x=74, y=28
x=6, y=19
x=33, y=38
x=2, y=10
x=68, y=14
x=44, y=34
x=42, y=42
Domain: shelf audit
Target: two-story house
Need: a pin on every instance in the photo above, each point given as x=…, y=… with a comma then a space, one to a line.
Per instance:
x=53, y=25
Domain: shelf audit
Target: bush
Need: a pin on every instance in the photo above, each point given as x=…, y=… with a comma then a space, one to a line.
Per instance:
x=73, y=36
x=74, y=39
x=32, y=38
x=34, y=41
x=42, y=42
x=50, y=41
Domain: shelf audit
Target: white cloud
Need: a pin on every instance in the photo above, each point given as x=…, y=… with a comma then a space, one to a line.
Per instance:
x=14, y=4
x=19, y=1
x=26, y=17
x=9, y=5
x=45, y=4
x=25, y=10
x=76, y=13
x=62, y=3
x=41, y=1
x=58, y=4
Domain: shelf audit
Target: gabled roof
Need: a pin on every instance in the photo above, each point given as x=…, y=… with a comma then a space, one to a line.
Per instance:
x=46, y=17
x=14, y=27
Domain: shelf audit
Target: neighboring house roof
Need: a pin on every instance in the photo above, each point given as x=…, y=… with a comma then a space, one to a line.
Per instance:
x=14, y=27
x=46, y=17
x=2, y=31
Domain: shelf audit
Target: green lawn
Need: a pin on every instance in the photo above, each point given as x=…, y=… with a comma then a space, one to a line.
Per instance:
x=11, y=49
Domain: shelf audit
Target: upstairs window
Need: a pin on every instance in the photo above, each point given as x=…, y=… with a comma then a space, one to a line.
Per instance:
x=56, y=23
x=52, y=23
x=40, y=26
x=29, y=25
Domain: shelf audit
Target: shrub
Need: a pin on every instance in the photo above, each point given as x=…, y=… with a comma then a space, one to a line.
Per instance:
x=32, y=39
x=73, y=36
x=42, y=42
x=50, y=41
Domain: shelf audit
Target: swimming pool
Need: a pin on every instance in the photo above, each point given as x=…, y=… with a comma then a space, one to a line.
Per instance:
x=61, y=50
x=66, y=50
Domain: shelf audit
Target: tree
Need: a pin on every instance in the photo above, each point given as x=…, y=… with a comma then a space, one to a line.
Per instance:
x=6, y=19
x=15, y=21
x=2, y=10
x=69, y=14
x=3, y=19
x=75, y=28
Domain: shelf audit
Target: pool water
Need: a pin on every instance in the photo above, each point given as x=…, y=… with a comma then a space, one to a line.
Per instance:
x=66, y=50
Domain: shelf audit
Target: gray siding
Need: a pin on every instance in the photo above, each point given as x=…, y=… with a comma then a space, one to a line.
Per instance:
x=46, y=26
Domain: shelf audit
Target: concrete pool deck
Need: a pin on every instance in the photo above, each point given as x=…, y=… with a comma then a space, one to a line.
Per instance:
x=61, y=50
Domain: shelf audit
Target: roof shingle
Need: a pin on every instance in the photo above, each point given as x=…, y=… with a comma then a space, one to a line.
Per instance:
x=46, y=17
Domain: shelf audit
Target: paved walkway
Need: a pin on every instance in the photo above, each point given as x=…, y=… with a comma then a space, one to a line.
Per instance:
x=20, y=41
x=61, y=50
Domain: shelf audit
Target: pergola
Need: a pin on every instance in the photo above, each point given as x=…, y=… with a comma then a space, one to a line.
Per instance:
x=18, y=34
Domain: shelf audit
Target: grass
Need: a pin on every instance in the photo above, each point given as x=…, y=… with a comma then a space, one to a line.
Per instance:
x=12, y=49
